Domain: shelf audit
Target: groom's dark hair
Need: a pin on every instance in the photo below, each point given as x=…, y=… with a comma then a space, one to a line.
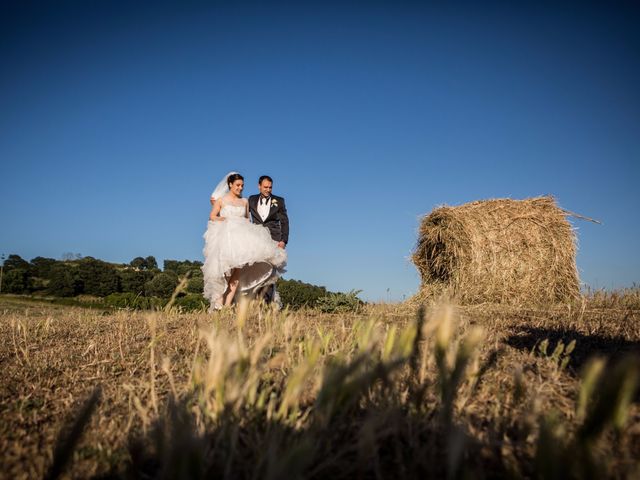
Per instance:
x=264, y=177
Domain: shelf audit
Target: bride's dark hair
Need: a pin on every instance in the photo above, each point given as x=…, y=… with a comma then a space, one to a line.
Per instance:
x=233, y=177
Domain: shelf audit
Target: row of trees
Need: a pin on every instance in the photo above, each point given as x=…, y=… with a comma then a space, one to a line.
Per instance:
x=141, y=284
x=90, y=276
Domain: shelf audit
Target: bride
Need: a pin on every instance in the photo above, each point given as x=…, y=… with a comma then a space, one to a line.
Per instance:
x=239, y=256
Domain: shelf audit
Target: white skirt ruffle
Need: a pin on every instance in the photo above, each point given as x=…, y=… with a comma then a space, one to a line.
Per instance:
x=236, y=243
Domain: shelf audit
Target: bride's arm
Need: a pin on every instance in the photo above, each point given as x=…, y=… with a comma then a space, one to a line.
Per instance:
x=215, y=210
x=246, y=208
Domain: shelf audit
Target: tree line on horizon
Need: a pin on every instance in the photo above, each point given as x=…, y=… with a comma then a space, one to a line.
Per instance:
x=91, y=276
x=141, y=284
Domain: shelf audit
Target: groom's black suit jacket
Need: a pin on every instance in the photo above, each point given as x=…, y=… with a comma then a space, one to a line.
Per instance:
x=277, y=221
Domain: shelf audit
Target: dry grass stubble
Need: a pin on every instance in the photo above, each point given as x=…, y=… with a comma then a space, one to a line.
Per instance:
x=479, y=389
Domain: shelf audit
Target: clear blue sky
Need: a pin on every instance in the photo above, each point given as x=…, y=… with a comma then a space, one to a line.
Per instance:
x=117, y=121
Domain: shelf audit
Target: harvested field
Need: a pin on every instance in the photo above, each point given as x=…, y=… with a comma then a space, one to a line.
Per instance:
x=519, y=252
x=492, y=390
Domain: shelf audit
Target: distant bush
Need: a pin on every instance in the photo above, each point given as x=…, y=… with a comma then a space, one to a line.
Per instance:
x=15, y=261
x=64, y=281
x=98, y=278
x=182, y=267
x=340, y=302
x=134, y=280
x=161, y=285
x=134, y=302
x=16, y=280
x=41, y=266
x=195, y=285
x=191, y=302
x=148, y=263
x=297, y=294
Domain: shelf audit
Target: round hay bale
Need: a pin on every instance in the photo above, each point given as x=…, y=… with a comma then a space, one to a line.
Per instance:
x=498, y=251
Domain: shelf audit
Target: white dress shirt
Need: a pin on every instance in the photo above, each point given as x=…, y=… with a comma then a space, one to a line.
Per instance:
x=264, y=206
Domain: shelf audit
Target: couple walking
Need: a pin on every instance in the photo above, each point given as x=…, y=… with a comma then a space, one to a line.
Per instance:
x=243, y=256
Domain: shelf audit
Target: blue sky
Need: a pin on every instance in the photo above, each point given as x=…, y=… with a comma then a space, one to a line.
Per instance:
x=117, y=122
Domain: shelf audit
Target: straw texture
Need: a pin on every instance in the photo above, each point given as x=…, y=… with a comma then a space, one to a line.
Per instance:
x=519, y=252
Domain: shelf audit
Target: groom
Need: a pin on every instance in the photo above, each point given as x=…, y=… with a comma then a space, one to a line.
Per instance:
x=269, y=210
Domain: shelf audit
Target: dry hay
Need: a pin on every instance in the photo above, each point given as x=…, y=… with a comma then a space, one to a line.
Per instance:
x=519, y=252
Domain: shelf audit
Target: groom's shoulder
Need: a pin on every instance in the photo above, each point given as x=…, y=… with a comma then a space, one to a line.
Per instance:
x=281, y=199
x=252, y=197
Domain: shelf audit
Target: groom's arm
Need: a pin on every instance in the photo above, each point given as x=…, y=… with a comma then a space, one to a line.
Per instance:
x=252, y=216
x=283, y=217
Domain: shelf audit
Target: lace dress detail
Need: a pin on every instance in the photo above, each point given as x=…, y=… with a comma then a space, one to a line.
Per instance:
x=233, y=212
x=237, y=243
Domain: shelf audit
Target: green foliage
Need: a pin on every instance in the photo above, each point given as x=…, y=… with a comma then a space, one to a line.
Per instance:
x=16, y=280
x=182, y=267
x=141, y=278
x=64, y=281
x=297, y=294
x=134, y=302
x=76, y=302
x=14, y=262
x=37, y=284
x=148, y=263
x=41, y=266
x=121, y=300
x=133, y=281
x=195, y=285
x=191, y=302
x=161, y=285
x=171, y=265
x=138, y=263
x=340, y=302
x=151, y=263
x=98, y=278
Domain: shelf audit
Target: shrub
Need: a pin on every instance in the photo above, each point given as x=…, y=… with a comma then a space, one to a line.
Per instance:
x=297, y=294
x=340, y=302
x=98, y=278
x=64, y=281
x=15, y=261
x=182, y=267
x=133, y=301
x=148, y=263
x=195, y=285
x=42, y=266
x=161, y=285
x=16, y=281
x=191, y=302
x=133, y=281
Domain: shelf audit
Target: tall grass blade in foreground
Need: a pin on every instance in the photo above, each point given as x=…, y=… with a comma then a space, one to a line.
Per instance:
x=67, y=441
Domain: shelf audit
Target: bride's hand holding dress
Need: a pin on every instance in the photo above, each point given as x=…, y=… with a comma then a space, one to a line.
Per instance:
x=216, y=206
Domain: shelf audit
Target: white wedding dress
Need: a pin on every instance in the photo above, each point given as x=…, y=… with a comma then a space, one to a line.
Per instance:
x=237, y=243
